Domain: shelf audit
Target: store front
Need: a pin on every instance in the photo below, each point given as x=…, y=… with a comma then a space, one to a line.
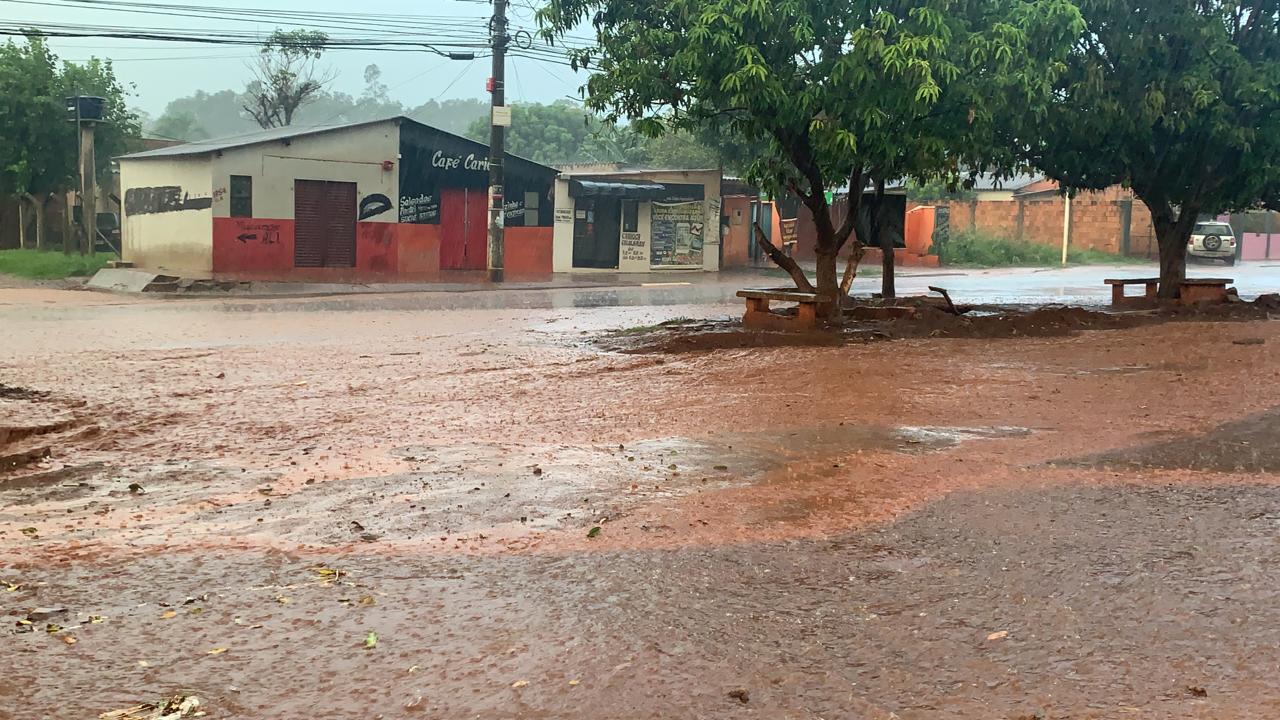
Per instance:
x=638, y=221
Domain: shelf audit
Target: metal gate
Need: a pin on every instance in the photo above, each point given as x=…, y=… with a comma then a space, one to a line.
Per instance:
x=464, y=229
x=324, y=215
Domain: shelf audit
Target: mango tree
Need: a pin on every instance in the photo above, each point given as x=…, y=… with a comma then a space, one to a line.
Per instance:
x=1177, y=99
x=836, y=94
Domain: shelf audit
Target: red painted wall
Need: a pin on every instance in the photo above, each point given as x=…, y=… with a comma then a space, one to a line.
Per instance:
x=527, y=251
x=262, y=249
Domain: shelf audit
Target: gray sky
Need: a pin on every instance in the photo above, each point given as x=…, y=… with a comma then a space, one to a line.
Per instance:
x=163, y=71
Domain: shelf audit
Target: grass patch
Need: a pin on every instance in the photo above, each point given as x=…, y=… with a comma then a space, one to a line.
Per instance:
x=976, y=249
x=45, y=265
x=646, y=329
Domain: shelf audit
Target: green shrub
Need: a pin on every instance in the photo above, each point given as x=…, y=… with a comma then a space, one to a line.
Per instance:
x=45, y=265
x=978, y=249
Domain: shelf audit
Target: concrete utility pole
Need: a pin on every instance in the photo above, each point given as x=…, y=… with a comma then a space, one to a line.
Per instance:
x=88, y=188
x=499, y=119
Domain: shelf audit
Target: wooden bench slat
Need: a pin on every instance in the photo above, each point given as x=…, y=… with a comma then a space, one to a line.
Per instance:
x=1208, y=281
x=784, y=296
x=1130, y=281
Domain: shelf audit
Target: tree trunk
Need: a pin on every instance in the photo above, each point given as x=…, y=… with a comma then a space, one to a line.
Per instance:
x=828, y=281
x=884, y=241
x=41, y=205
x=1172, y=234
x=22, y=225
x=781, y=259
x=887, y=288
x=851, y=268
x=37, y=207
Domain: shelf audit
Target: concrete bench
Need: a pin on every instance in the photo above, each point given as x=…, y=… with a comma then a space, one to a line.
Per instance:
x=1204, y=290
x=1119, y=299
x=758, y=315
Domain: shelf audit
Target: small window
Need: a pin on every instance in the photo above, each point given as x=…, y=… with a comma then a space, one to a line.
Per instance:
x=531, y=209
x=630, y=216
x=241, y=196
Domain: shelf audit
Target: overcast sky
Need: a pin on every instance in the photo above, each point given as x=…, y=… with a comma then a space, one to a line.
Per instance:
x=162, y=71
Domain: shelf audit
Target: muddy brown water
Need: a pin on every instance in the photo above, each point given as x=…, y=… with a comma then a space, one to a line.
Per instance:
x=840, y=566
x=1115, y=602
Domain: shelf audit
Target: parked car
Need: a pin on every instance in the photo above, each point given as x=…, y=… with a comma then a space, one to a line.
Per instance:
x=108, y=233
x=1213, y=241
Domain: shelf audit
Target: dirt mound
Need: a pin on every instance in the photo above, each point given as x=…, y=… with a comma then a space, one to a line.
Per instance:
x=923, y=317
x=1042, y=322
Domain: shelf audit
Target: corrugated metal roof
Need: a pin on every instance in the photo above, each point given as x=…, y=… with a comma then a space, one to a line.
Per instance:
x=205, y=147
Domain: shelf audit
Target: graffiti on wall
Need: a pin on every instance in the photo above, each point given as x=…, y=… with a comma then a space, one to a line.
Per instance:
x=248, y=231
x=162, y=199
x=374, y=205
x=422, y=209
x=513, y=210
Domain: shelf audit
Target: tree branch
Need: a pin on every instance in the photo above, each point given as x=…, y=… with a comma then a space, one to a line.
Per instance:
x=781, y=260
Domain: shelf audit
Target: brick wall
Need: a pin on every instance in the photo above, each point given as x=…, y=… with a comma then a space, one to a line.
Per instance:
x=1097, y=221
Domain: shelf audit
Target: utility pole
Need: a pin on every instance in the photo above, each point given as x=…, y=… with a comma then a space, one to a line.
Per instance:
x=499, y=118
x=86, y=113
x=88, y=188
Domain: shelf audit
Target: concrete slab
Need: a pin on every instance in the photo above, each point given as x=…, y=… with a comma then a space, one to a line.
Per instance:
x=126, y=280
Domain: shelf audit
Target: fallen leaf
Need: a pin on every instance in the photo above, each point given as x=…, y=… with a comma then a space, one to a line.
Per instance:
x=53, y=628
x=519, y=684
x=29, y=531
x=367, y=600
x=721, y=467
x=371, y=640
x=69, y=639
x=998, y=635
x=413, y=669
x=143, y=664
x=168, y=614
x=96, y=619
x=12, y=587
x=327, y=573
x=195, y=611
x=593, y=531
x=1197, y=691
x=283, y=600
x=574, y=682
x=137, y=489
x=217, y=651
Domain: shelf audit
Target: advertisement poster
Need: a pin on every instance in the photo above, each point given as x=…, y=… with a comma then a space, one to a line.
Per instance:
x=676, y=232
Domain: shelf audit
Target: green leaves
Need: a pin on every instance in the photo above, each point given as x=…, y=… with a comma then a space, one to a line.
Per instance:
x=38, y=147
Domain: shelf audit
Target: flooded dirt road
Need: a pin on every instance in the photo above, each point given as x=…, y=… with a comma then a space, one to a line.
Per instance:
x=379, y=507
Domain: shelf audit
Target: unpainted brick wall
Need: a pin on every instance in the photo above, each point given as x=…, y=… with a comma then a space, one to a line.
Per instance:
x=1096, y=222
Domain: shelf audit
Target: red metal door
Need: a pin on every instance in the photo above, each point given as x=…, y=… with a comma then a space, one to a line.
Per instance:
x=324, y=216
x=309, y=223
x=340, y=223
x=477, y=229
x=463, y=231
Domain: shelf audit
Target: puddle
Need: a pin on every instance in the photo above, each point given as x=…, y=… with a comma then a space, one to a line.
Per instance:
x=458, y=492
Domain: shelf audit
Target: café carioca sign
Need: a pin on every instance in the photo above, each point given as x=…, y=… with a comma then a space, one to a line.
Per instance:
x=459, y=162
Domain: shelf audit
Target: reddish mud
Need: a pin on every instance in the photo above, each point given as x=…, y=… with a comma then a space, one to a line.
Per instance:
x=783, y=531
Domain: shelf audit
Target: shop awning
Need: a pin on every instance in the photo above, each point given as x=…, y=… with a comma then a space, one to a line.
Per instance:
x=629, y=190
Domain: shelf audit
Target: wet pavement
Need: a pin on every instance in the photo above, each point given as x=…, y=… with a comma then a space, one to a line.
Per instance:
x=238, y=492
